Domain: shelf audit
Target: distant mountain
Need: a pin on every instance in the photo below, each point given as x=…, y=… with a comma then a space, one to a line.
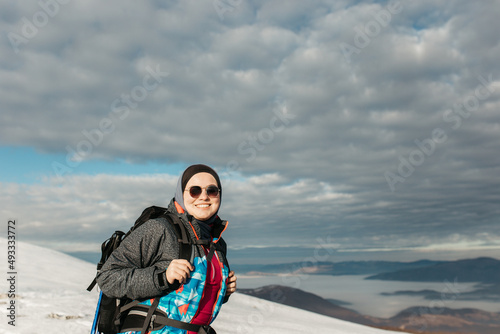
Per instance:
x=437, y=319
x=416, y=319
x=484, y=269
x=306, y=301
x=333, y=268
x=483, y=292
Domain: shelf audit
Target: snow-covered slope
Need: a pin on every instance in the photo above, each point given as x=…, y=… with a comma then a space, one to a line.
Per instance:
x=52, y=298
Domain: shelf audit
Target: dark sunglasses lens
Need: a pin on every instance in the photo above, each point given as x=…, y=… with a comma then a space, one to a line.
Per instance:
x=195, y=191
x=212, y=191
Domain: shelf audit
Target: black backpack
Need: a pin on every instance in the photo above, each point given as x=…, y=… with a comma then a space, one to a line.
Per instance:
x=109, y=313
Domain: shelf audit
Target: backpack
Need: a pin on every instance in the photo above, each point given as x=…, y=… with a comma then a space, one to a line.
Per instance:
x=110, y=311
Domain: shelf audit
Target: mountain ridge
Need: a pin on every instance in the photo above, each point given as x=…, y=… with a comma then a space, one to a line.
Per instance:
x=482, y=269
x=414, y=319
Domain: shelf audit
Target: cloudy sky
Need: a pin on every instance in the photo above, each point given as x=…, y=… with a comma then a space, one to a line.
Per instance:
x=363, y=127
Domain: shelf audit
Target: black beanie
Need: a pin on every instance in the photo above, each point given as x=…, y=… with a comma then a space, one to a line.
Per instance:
x=195, y=169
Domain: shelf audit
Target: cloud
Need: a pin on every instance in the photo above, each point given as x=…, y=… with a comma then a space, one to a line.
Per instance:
x=80, y=210
x=270, y=210
x=357, y=155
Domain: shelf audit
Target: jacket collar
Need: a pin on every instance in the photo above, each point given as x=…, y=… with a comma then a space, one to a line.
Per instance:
x=219, y=225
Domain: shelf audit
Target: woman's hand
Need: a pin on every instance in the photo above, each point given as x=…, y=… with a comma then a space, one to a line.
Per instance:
x=231, y=283
x=179, y=270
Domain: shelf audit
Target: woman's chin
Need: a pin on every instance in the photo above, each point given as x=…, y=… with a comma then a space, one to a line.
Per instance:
x=202, y=215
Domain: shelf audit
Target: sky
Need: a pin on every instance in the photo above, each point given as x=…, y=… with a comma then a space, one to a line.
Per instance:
x=340, y=129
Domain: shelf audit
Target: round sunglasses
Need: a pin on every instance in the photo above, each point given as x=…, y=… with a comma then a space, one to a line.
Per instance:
x=195, y=191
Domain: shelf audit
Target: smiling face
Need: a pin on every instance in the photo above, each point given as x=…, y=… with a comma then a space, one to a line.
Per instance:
x=203, y=207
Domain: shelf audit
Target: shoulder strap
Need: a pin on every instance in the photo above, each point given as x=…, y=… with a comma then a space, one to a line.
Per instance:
x=151, y=212
x=183, y=238
x=185, y=243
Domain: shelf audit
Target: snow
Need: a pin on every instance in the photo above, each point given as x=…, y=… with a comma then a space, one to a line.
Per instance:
x=51, y=297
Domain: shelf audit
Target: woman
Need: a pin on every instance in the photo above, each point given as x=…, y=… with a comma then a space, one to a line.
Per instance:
x=146, y=265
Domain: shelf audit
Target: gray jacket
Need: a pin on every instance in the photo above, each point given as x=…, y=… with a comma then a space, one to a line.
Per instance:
x=136, y=269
